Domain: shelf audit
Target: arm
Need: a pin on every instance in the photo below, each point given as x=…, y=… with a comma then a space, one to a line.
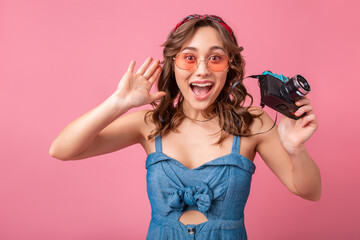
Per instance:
x=283, y=150
x=101, y=130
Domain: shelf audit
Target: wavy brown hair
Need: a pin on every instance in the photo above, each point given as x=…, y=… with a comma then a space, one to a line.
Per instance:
x=234, y=117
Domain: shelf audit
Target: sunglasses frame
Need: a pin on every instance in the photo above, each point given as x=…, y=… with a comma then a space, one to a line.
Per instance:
x=206, y=63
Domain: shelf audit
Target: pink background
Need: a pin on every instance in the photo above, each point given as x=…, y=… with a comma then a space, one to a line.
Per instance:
x=59, y=59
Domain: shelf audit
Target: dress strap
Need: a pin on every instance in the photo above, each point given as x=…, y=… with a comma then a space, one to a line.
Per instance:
x=158, y=143
x=236, y=144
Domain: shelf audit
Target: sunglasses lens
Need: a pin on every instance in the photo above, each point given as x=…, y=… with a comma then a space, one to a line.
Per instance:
x=216, y=63
x=185, y=61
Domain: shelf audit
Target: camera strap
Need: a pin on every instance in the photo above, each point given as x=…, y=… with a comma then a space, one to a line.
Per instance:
x=278, y=76
x=252, y=76
x=261, y=103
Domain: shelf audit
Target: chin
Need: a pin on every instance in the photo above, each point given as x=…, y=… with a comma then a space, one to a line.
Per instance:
x=199, y=105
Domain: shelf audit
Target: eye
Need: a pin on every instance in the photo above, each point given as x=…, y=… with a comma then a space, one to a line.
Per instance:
x=215, y=58
x=189, y=58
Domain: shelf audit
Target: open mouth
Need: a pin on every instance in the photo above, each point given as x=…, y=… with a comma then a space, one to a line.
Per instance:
x=201, y=89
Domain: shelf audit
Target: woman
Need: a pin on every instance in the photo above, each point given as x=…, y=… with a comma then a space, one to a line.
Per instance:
x=199, y=174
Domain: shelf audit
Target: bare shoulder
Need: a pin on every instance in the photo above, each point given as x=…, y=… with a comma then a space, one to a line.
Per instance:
x=142, y=122
x=138, y=121
x=262, y=123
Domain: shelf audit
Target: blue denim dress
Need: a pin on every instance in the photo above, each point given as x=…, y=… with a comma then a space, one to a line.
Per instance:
x=219, y=189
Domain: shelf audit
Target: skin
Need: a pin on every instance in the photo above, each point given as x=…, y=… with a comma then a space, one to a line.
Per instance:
x=106, y=129
x=204, y=43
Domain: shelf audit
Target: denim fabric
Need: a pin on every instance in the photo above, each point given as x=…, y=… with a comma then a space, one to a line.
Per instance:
x=219, y=189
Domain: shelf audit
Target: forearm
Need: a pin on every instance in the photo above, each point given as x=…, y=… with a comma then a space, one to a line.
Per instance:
x=306, y=175
x=79, y=134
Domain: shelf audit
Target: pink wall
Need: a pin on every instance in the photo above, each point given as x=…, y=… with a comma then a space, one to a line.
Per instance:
x=59, y=59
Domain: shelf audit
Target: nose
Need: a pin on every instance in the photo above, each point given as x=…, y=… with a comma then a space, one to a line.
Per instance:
x=202, y=69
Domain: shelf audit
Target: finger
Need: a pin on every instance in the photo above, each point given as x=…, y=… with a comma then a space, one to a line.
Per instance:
x=150, y=71
x=156, y=74
x=157, y=95
x=145, y=65
x=308, y=119
x=131, y=66
x=304, y=109
x=303, y=101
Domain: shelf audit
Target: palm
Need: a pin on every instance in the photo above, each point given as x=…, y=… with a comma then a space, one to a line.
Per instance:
x=134, y=88
x=294, y=133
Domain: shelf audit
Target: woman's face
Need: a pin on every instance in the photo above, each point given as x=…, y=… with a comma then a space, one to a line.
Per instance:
x=201, y=86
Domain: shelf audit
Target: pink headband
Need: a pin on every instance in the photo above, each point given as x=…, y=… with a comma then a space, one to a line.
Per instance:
x=212, y=17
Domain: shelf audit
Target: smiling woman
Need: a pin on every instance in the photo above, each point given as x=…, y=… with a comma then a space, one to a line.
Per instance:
x=203, y=50
x=197, y=83
x=199, y=136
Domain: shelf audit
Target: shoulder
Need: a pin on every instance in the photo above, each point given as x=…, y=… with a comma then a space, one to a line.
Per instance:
x=261, y=124
x=144, y=124
x=141, y=119
x=138, y=115
x=133, y=123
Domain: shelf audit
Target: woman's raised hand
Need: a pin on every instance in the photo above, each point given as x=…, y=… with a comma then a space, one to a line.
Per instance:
x=80, y=138
x=134, y=88
x=294, y=134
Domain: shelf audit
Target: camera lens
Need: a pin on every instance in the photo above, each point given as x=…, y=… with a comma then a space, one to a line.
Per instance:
x=304, y=85
x=295, y=88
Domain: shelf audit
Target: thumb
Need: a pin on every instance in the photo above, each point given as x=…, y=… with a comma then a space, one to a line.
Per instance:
x=157, y=96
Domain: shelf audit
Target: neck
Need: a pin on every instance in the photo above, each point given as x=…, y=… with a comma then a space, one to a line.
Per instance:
x=198, y=115
x=196, y=120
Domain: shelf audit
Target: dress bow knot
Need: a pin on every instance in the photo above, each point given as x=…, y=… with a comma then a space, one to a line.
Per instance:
x=200, y=195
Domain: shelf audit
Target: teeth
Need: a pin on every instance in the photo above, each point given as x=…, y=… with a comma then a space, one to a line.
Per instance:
x=201, y=84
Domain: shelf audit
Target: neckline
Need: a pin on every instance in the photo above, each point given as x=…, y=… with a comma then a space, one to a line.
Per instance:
x=235, y=149
x=204, y=164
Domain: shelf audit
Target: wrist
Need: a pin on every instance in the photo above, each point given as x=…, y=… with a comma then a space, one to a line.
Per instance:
x=117, y=105
x=296, y=150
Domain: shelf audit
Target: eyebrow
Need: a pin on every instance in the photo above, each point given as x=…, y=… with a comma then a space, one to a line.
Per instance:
x=195, y=49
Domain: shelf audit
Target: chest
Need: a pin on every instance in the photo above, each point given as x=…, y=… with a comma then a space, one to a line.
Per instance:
x=194, y=150
x=193, y=146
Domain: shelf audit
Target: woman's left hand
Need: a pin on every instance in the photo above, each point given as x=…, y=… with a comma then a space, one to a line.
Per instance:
x=294, y=133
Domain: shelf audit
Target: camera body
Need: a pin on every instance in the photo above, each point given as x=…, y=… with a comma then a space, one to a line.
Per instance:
x=280, y=93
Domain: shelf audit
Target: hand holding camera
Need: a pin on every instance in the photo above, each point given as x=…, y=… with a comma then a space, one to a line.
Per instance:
x=288, y=96
x=281, y=93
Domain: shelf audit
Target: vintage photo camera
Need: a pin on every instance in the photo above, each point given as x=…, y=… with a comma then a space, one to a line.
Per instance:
x=280, y=93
